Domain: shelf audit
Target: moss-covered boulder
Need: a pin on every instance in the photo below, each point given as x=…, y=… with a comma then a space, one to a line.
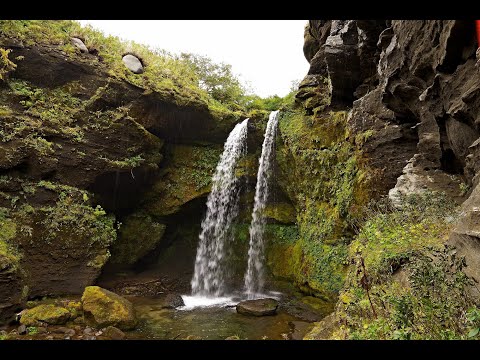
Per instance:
x=45, y=314
x=105, y=308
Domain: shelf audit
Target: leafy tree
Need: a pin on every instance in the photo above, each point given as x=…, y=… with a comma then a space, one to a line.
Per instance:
x=217, y=79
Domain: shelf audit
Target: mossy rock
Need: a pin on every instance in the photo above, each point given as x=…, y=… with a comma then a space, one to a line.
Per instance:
x=45, y=314
x=187, y=175
x=105, y=308
x=281, y=212
x=138, y=235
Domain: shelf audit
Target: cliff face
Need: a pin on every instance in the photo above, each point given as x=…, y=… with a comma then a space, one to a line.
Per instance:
x=77, y=129
x=411, y=89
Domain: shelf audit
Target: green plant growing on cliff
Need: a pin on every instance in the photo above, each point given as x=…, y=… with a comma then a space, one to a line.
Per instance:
x=415, y=284
x=6, y=65
x=69, y=215
x=325, y=178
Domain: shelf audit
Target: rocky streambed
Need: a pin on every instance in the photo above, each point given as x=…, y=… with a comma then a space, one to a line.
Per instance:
x=103, y=315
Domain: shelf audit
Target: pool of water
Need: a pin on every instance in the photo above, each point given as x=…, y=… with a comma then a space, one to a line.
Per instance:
x=212, y=320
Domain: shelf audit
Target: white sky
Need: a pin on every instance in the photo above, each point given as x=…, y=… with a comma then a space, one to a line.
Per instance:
x=267, y=54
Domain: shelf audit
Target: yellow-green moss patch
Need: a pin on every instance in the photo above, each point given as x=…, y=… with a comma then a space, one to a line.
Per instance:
x=45, y=314
x=103, y=308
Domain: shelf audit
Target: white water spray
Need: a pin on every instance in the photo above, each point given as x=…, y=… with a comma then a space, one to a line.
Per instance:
x=222, y=208
x=254, y=277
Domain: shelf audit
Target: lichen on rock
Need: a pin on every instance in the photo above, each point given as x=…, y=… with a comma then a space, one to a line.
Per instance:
x=104, y=308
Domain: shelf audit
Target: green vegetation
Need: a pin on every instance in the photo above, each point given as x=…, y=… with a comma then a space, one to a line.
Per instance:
x=403, y=282
x=138, y=235
x=32, y=330
x=6, y=65
x=188, y=175
x=92, y=224
x=326, y=183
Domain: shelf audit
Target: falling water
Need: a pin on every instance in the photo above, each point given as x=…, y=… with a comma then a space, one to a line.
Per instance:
x=222, y=207
x=254, y=278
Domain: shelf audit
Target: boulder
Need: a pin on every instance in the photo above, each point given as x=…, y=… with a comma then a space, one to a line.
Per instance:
x=22, y=330
x=172, y=301
x=113, y=333
x=79, y=45
x=103, y=308
x=133, y=64
x=45, y=314
x=258, y=307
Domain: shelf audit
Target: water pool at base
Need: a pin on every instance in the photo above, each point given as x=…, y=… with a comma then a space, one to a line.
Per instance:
x=216, y=322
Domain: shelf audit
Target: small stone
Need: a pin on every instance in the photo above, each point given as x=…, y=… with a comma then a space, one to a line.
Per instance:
x=114, y=333
x=79, y=45
x=233, y=337
x=88, y=331
x=98, y=333
x=133, y=64
x=90, y=338
x=49, y=337
x=61, y=330
x=22, y=330
x=67, y=337
x=259, y=307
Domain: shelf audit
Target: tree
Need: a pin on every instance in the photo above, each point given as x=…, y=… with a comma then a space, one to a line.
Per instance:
x=217, y=79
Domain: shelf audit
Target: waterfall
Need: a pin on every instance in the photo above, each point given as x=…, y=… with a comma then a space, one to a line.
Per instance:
x=254, y=277
x=222, y=207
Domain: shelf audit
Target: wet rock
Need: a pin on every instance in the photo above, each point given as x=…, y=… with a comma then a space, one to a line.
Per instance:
x=45, y=314
x=103, y=308
x=172, y=301
x=78, y=43
x=324, y=329
x=22, y=330
x=114, y=333
x=79, y=321
x=133, y=64
x=258, y=307
x=300, y=328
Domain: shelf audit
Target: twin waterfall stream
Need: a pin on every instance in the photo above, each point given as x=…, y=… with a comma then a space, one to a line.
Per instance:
x=211, y=267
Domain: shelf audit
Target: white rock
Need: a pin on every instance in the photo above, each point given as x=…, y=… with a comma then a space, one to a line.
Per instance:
x=133, y=64
x=79, y=45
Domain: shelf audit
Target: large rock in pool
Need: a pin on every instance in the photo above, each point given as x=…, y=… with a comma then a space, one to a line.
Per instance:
x=105, y=308
x=172, y=301
x=259, y=307
x=45, y=314
x=133, y=64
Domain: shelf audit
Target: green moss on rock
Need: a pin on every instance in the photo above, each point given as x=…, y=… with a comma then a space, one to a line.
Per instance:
x=138, y=235
x=105, y=308
x=187, y=175
x=282, y=212
x=45, y=314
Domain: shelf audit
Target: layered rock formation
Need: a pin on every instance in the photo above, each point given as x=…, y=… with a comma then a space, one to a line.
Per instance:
x=75, y=133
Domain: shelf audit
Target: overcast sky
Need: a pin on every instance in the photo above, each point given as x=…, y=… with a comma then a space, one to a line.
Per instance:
x=266, y=53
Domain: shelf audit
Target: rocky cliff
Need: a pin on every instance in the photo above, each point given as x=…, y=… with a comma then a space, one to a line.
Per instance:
x=411, y=90
x=95, y=156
